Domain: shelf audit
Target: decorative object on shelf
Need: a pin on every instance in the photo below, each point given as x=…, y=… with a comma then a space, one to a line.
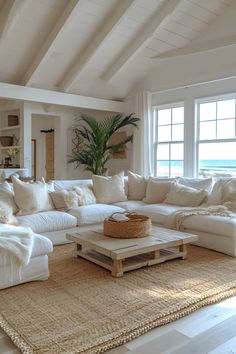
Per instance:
x=132, y=226
x=15, y=140
x=12, y=153
x=13, y=119
x=6, y=140
x=92, y=147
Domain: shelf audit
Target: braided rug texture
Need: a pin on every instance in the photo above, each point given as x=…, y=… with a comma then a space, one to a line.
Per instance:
x=83, y=309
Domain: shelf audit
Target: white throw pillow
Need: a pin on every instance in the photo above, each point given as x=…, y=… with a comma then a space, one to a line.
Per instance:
x=157, y=190
x=31, y=197
x=197, y=183
x=185, y=196
x=64, y=200
x=136, y=186
x=85, y=195
x=109, y=189
x=6, y=215
x=217, y=194
x=7, y=196
x=229, y=191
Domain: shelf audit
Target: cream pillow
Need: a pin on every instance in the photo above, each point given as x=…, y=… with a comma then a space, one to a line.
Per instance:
x=7, y=196
x=109, y=189
x=217, y=194
x=85, y=194
x=6, y=214
x=185, y=196
x=197, y=183
x=229, y=191
x=157, y=190
x=65, y=199
x=31, y=197
x=136, y=186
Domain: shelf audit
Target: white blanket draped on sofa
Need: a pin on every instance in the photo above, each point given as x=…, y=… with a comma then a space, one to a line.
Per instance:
x=175, y=220
x=16, y=245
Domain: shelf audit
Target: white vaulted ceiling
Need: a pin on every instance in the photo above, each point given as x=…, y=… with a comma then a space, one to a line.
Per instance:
x=98, y=48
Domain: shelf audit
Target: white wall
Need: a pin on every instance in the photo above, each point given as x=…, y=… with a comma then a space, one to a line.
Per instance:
x=61, y=119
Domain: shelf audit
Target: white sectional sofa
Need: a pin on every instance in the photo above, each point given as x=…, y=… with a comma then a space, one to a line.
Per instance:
x=215, y=232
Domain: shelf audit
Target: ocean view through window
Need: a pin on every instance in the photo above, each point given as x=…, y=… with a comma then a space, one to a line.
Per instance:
x=169, y=141
x=216, y=142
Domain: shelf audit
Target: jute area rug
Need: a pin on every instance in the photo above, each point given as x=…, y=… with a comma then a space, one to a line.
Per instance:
x=83, y=309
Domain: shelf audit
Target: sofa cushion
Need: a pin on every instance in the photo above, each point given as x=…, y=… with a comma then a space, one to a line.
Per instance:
x=7, y=196
x=131, y=205
x=137, y=186
x=92, y=214
x=48, y=221
x=185, y=196
x=31, y=197
x=158, y=213
x=64, y=199
x=157, y=190
x=109, y=189
x=197, y=183
x=212, y=224
x=85, y=194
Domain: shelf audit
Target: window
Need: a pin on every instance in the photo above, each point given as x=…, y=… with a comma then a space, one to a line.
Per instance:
x=216, y=139
x=169, y=141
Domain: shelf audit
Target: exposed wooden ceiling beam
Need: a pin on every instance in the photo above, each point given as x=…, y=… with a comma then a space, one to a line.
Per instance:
x=199, y=47
x=140, y=41
x=8, y=13
x=83, y=59
x=16, y=92
x=48, y=46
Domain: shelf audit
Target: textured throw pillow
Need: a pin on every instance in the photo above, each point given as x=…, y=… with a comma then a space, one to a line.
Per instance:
x=217, y=194
x=136, y=186
x=85, y=195
x=65, y=199
x=157, y=190
x=7, y=196
x=109, y=189
x=197, y=183
x=185, y=196
x=31, y=197
x=229, y=191
x=6, y=214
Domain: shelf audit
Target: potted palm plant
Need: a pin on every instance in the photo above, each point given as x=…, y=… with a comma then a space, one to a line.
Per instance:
x=92, y=148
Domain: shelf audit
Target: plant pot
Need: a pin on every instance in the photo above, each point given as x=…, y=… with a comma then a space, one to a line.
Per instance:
x=6, y=140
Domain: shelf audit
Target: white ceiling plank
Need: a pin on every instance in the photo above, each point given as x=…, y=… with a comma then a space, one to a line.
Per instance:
x=84, y=59
x=8, y=13
x=197, y=48
x=141, y=40
x=23, y=93
x=47, y=49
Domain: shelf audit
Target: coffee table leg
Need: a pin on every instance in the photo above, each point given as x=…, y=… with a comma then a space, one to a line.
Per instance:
x=117, y=270
x=183, y=248
x=79, y=248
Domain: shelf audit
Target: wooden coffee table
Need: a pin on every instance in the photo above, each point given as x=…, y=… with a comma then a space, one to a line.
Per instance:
x=123, y=255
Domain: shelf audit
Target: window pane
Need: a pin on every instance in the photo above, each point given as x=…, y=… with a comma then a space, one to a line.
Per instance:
x=178, y=115
x=162, y=168
x=207, y=130
x=208, y=111
x=177, y=152
x=164, y=116
x=226, y=129
x=176, y=168
x=164, y=133
x=217, y=159
x=163, y=152
x=226, y=109
x=178, y=132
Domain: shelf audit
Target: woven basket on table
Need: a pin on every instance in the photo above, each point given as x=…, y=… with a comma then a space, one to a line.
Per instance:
x=136, y=226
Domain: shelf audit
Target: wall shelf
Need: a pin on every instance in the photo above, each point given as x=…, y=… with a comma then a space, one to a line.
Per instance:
x=10, y=147
x=10, y=128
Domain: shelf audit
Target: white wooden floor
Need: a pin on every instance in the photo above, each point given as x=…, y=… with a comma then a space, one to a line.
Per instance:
x=211, y=330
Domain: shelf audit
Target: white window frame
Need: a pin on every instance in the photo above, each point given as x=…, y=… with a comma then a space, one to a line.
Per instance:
x=197, y=115
x=155, y=132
